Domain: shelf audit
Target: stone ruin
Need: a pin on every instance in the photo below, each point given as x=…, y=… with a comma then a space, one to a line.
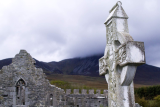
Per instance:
x=121, y=57
x=24, y=85
x=85, y=99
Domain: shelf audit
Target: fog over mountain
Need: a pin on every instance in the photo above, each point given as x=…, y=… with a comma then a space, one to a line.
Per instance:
x=89, y=66
x=53, y=30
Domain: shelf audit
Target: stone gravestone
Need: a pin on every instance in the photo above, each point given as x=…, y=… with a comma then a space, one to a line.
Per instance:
x=121, y=57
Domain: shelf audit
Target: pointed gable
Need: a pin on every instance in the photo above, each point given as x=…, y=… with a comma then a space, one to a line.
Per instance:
x=117, y=11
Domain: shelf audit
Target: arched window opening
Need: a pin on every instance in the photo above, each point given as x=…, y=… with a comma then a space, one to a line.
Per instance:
x=20, y=92
x=51, y=99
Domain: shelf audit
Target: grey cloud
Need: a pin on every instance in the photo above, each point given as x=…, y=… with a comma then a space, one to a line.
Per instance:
x=56, y=30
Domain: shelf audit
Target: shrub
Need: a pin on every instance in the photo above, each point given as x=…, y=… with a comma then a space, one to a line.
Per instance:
x=148, y=92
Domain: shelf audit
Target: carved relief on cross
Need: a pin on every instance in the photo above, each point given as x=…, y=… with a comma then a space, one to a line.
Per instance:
x=128, y=55
x=121, y=57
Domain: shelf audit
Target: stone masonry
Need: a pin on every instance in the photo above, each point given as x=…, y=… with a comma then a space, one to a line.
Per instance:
x=24, y=85
x=121, y=57
x=86, y=100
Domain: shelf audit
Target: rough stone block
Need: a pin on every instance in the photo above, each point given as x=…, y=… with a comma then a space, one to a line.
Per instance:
x=76, y=91
x=98, y=91
x=84, y=91
x=91, y=91
x=137, y=105
x=68, y=91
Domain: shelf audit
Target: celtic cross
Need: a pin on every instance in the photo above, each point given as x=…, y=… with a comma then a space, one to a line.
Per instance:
x=121, y=57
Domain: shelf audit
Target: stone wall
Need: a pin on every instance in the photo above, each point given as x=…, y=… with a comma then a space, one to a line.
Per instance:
x=85, y=99
x=24, y=85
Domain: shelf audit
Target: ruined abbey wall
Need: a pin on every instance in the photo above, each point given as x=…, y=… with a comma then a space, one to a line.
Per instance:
x=24, y=85
x=84, y=99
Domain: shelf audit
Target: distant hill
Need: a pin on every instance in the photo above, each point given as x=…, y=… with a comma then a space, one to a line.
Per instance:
x=78, y=66
x=88, y=66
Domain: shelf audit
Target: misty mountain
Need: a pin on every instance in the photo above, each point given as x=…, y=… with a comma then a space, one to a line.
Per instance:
x=88, y=66
x=78, y=66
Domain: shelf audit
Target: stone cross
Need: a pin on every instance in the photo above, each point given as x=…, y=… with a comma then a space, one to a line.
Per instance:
x=121, y=57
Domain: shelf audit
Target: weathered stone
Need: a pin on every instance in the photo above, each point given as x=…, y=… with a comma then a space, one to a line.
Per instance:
x=76, y=91
x=98, y=92
x=137, y=105
x=68, y=91
x=91, y=91
x=84, y=91
x=24, y=85
x=121, y=57
x=86, y=100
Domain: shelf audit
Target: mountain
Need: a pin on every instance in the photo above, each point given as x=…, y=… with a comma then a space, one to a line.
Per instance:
x=5, y=62
x=78, y=66
x=147, y=74
x=88, y=66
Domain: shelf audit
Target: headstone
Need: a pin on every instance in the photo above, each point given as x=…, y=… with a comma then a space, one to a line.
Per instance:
x=121, y=57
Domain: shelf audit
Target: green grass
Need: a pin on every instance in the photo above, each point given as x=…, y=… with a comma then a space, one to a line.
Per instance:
x=86, y=82
x=66, y=85
x=82, y=81
x=147, y=103
x=95, y=82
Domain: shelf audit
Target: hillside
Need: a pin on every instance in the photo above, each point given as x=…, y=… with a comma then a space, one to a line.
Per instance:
x=78, y=66
x=88, y=66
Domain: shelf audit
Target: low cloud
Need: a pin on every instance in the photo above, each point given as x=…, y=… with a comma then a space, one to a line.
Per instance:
x=55, y=30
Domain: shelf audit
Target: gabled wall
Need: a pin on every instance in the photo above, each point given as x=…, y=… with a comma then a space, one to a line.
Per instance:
x=24, y=85
x=37, y=87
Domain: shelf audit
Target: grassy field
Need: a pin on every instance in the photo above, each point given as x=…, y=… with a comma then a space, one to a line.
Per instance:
x=95, y=82
x=86, y=82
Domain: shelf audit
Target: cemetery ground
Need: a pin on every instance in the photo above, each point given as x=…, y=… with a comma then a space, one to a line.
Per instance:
x=145, y=95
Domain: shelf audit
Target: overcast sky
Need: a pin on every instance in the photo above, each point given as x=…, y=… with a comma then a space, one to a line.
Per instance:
x=53, y=30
